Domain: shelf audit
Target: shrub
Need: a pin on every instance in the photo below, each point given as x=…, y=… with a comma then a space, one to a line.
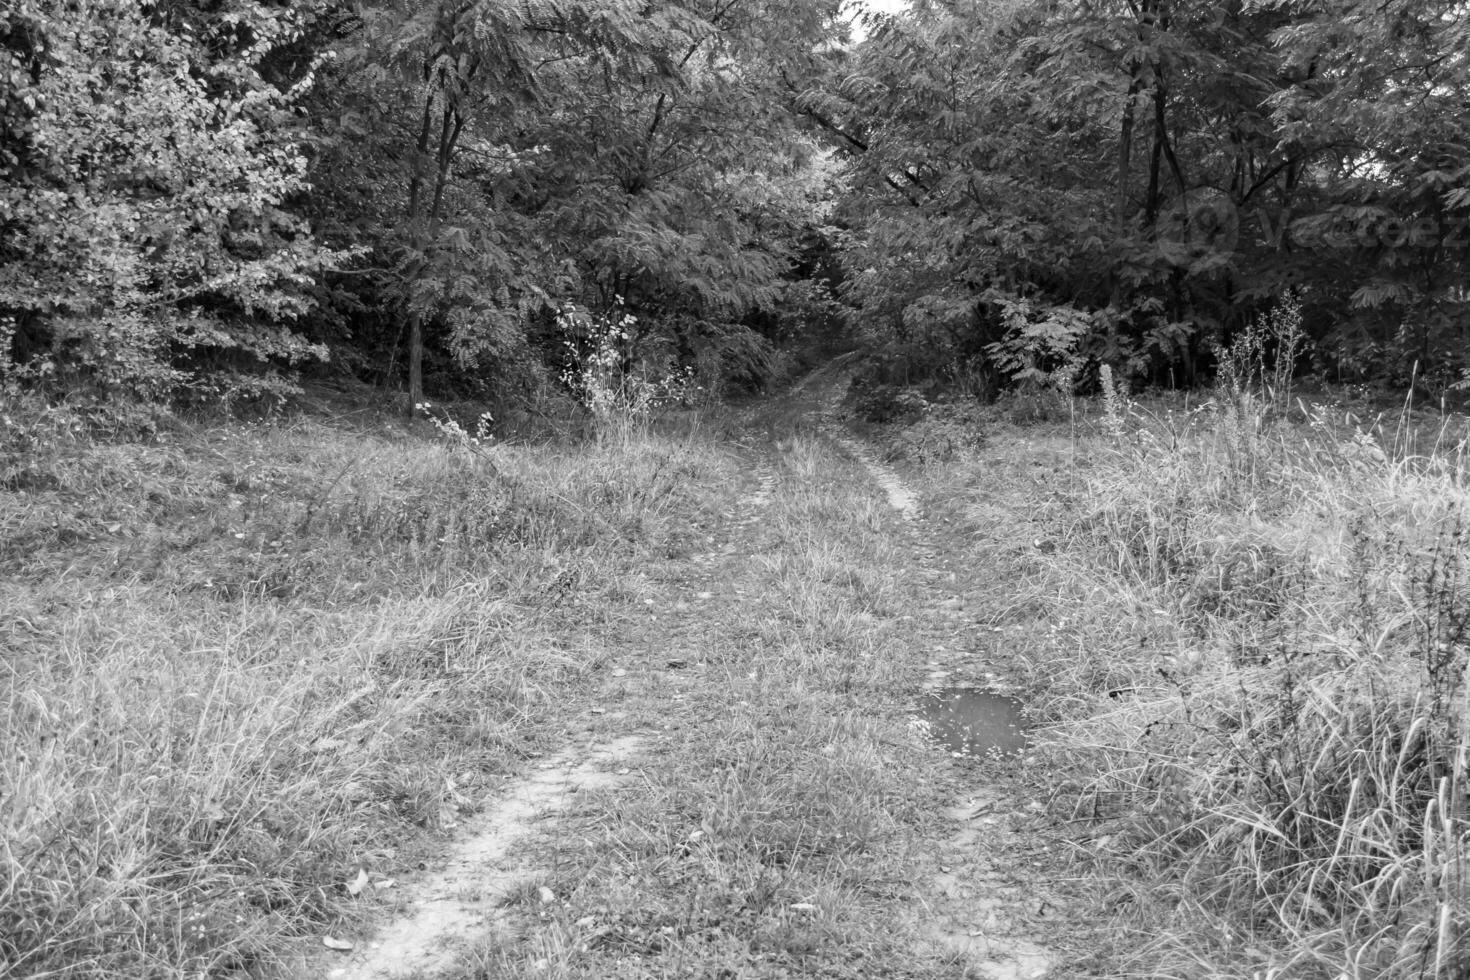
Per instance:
x=877, y=402
x=142, y=184
x=619, y=385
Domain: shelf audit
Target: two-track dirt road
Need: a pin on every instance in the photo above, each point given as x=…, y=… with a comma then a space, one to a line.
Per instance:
x=747, y=794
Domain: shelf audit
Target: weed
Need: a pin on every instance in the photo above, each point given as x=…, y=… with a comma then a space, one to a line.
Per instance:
x=1280, y=744
x=620, y=385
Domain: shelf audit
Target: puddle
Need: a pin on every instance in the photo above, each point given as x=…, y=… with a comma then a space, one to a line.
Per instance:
x=972, y=721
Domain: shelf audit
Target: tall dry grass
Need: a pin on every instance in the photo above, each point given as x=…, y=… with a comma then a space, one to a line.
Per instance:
x=1264, y=611
x=243, y=662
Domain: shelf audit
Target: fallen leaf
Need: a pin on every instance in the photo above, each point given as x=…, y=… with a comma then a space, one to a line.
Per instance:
x=385, y=883
x=341, y=945
x=356, y=885
x=546, y=895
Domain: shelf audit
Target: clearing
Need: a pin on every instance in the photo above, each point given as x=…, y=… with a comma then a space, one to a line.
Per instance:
x=743, y=787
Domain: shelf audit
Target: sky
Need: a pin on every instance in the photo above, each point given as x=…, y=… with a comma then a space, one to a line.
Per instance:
x=878, y=6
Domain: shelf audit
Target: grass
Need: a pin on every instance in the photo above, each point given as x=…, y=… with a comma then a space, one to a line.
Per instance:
x=244, y=661
x=249, y=662
x=779, y=830
x=1253, y=642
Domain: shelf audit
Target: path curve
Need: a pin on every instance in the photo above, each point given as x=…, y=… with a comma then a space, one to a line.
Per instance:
x=452, y=906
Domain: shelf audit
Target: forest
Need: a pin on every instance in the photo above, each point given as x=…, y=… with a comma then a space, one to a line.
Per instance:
x=204, y=200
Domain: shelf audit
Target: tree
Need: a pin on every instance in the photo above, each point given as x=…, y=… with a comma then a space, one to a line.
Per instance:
x=1167, y=168
x=591, y=153
x=1378, y=105
x=146, y=165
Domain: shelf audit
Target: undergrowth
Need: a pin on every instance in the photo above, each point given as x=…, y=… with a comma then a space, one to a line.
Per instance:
x=1261, y=648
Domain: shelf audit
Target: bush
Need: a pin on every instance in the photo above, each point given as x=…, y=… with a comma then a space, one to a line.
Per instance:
x=938, y=437
x=876, y=402
x=142, y=183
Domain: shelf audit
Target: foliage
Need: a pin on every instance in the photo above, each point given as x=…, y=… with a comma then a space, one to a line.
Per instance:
x=1040, y=347
x=545, y=154
x=875, y=401
x=145, y=165
x=943, y=433
x=455, y=434
x=619, y=380
x=1165, y=169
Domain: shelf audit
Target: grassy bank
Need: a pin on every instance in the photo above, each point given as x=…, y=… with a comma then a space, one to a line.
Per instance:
x=1248, y=618
x=243, y=661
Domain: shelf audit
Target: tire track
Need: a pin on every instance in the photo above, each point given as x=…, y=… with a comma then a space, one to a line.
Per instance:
x=900, y=497
x=451, y=907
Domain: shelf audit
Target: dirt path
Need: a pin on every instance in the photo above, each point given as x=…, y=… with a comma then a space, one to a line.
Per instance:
x=976, y=902
x=761, y=687
x=445, y=909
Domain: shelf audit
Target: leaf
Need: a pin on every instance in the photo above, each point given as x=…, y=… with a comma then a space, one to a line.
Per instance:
x=356, y=885
x=341, y=945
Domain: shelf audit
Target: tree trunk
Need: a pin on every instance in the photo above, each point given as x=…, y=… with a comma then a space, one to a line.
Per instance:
x=1125, y=159
x=1120, y=208
x=426, y=228
x=417, y=240
x=415, y=360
